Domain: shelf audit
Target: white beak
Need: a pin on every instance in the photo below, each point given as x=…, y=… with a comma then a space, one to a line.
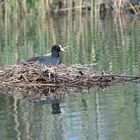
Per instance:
x=61, y=49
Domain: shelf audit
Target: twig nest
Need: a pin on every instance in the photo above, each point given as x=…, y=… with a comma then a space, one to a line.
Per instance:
x=35, y=73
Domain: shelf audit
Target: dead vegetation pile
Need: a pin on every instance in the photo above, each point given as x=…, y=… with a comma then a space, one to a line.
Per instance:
x=35, y=74
x=39, y=82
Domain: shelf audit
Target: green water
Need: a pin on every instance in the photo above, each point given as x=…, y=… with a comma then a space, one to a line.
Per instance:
x=112, y=45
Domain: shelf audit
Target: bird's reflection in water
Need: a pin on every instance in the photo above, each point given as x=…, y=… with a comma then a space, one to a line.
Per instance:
x=56, y=108
x=38, y=95
x=51, y=96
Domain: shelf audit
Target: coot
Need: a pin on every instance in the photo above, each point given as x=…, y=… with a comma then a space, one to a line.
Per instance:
x=54, y=59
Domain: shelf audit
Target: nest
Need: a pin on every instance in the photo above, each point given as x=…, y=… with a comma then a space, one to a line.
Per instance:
x=35, y=74
x=39, y=82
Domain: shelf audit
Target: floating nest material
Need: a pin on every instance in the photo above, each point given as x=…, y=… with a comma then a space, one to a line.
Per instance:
x=39, y=82
x=35, y=74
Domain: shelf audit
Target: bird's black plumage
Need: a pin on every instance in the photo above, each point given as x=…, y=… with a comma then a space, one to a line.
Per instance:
x=54, y=59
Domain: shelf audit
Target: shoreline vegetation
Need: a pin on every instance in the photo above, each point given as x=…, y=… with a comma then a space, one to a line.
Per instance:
x=24, y=8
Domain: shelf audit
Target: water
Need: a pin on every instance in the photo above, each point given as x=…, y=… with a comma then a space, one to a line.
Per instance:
x=112, y=113
x=111, y=44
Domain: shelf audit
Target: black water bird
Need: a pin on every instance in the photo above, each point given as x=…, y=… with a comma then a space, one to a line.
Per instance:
x=54, y=59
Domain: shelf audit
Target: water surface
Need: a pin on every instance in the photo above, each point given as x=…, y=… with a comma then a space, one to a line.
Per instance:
x=111, y=44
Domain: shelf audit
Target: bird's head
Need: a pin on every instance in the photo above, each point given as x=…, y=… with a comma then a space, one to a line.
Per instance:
x=57, y=48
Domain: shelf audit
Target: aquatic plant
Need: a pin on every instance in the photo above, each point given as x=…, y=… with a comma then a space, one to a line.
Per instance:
x=31, y=7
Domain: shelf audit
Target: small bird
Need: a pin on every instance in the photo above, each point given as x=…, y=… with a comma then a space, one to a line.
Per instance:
x=54, y=59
